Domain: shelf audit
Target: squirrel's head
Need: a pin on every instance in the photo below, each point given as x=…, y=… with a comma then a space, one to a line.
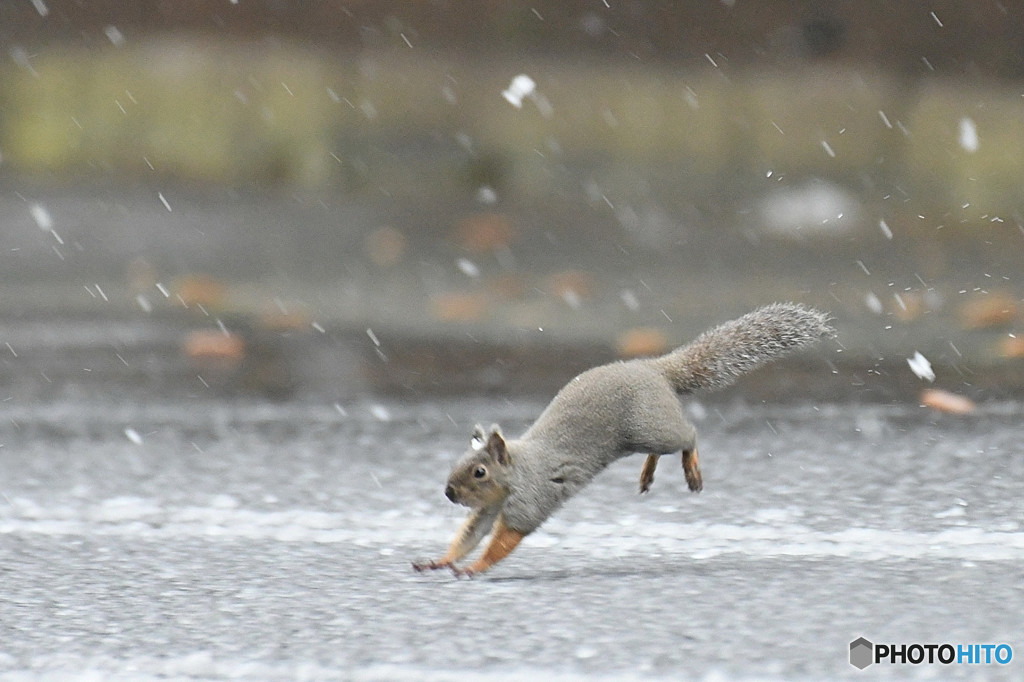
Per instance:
x=480, y=478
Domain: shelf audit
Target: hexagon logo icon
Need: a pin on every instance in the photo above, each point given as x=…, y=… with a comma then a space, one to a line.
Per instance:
x=861, y=653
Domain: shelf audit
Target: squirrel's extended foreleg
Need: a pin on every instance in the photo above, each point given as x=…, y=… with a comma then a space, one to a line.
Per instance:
x=478, y=524
x=503, y=541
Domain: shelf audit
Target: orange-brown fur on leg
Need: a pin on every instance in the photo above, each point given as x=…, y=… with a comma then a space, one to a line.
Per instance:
x=477, y=525
x=647, y=473
x=691, y=469
x=503, y=541
x=604, y=414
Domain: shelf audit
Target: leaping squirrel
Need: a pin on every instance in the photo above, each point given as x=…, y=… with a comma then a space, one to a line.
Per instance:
x=606, y=413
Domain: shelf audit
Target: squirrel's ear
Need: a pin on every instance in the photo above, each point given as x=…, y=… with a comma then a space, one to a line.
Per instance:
x=479, y=438
x=496, y=446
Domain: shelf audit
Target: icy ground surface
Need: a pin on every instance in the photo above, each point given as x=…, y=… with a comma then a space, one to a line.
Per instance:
x=203, y=540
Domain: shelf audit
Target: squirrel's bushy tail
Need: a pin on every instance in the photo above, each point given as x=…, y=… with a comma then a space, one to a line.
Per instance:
x=721, y=355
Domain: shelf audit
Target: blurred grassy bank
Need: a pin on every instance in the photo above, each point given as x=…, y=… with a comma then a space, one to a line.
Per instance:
x=498, y=235
x=419, y=124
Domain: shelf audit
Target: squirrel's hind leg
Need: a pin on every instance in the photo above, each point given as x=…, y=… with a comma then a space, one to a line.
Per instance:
x=647, y=473
x=691, y=469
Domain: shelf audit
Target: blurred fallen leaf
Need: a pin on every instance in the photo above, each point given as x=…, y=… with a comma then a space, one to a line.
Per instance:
x=944, y=401
x=278, y=321
x=908, y=306
x=202, y=290
x=997, y=309
x=569, y=284
x=385, y=246
x=640, y=342
x=1012, y=347
x=458, y=307
x=210, y=345
x=484, y=232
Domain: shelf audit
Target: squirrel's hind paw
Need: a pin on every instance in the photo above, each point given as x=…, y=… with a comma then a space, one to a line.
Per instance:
x=647, y=473
x=691, y=469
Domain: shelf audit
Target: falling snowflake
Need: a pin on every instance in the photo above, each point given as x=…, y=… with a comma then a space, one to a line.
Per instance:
x=522, y=86
x=41, y=215
x=873, y=304
x=468, y=267
x=920, y=366
x=968, y=135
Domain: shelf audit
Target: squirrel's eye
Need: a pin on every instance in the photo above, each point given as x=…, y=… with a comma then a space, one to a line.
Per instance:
x=479, y=472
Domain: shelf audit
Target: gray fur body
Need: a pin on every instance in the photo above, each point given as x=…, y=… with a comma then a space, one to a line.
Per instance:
x=606, y=413
x=615, y=410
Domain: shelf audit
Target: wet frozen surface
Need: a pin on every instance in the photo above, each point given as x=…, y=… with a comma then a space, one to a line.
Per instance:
x=193, y=539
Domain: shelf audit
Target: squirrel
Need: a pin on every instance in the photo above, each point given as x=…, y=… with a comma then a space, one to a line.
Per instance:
x=606, y=413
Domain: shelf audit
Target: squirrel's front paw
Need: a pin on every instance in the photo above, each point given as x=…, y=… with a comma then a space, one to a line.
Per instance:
x=420, y=566
x=462, y=572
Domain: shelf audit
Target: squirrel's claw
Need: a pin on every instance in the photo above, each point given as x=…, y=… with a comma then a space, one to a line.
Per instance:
x=462, y=572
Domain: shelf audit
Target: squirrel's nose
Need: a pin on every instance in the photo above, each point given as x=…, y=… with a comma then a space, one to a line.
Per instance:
x=449, y=492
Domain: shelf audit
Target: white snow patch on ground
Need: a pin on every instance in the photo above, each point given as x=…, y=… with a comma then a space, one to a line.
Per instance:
x=774, y=534
x=204, y=665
